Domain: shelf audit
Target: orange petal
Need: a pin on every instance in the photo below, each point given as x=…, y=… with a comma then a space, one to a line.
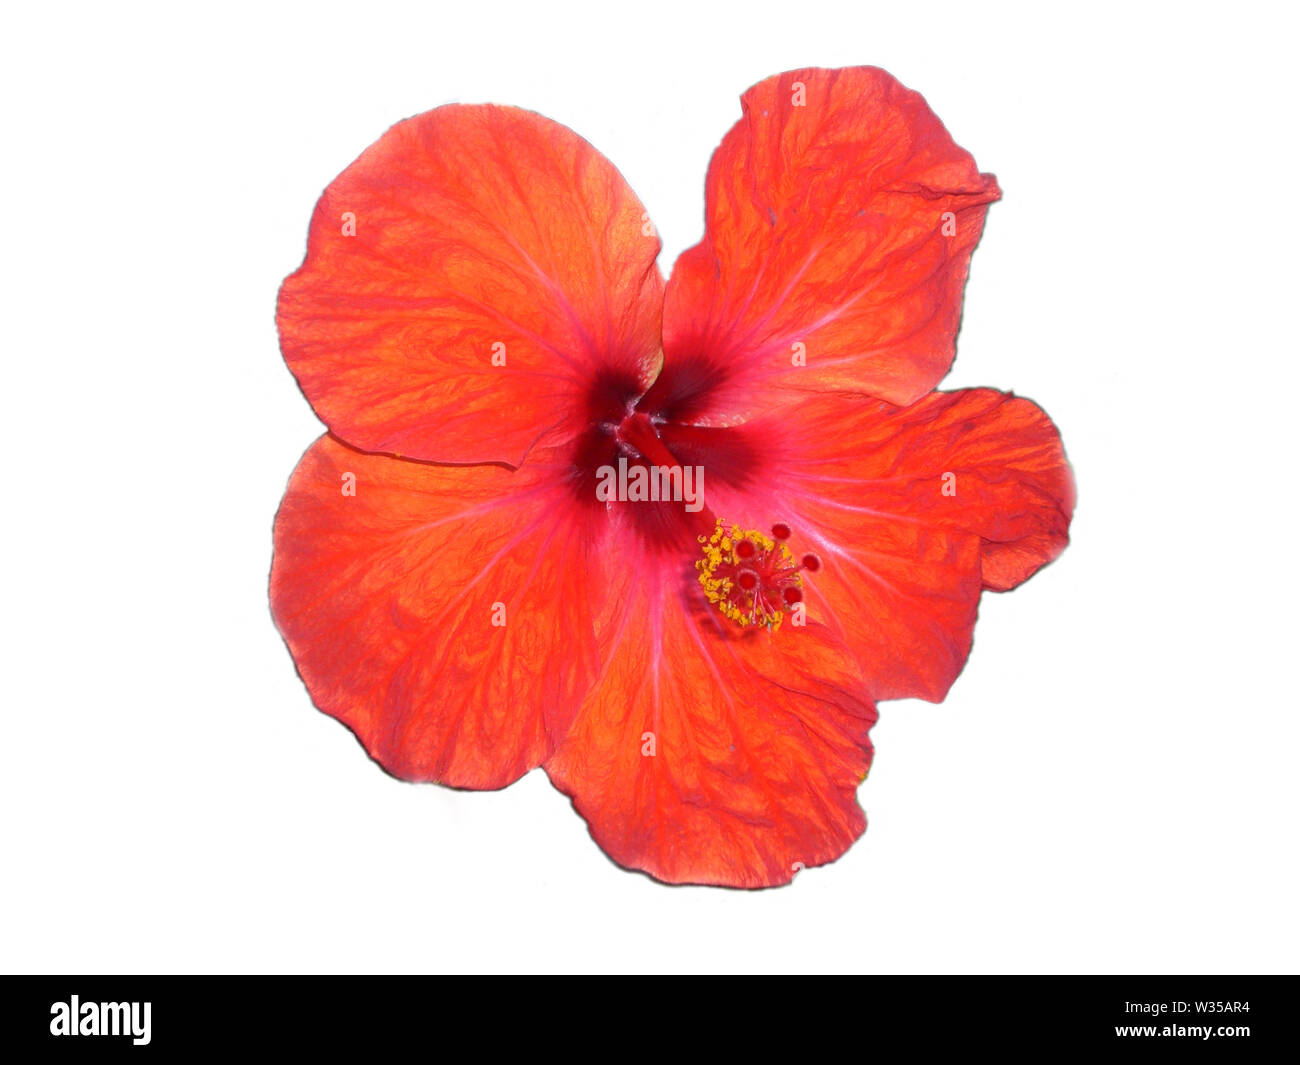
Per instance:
x=1011, y=484
x=900, y=594
x=708, y=754
x=914, y=510
x=443, y=613
x=975, y=461
x=466, y=279
x=840, y=222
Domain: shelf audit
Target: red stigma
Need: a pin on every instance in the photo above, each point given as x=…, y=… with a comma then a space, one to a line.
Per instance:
x=752, y=579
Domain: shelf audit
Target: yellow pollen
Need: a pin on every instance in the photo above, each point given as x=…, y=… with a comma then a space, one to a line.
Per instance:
x=772, y=569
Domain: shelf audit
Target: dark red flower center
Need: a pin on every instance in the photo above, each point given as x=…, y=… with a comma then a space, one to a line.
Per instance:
x=752, y=578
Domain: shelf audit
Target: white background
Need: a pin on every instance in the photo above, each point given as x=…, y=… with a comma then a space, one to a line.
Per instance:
x=1111, y=784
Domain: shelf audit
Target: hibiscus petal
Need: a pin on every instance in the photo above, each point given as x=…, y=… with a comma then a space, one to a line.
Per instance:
x=840, y=222
x=466, y=279
x=913, y=511
x=441, y=612
x=708, y=754
x=977, y=461
x=901, y=594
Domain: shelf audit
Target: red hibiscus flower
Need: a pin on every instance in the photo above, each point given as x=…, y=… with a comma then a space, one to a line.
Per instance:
x=465, y=581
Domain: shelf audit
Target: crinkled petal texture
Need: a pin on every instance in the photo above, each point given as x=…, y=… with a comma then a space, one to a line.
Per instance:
x=711, y=755
x=840, y=222
x=443, y=613
x=465, y=279
x=912, y=512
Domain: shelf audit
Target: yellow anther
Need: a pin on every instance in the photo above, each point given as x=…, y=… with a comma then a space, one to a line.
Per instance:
x=748, y=576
